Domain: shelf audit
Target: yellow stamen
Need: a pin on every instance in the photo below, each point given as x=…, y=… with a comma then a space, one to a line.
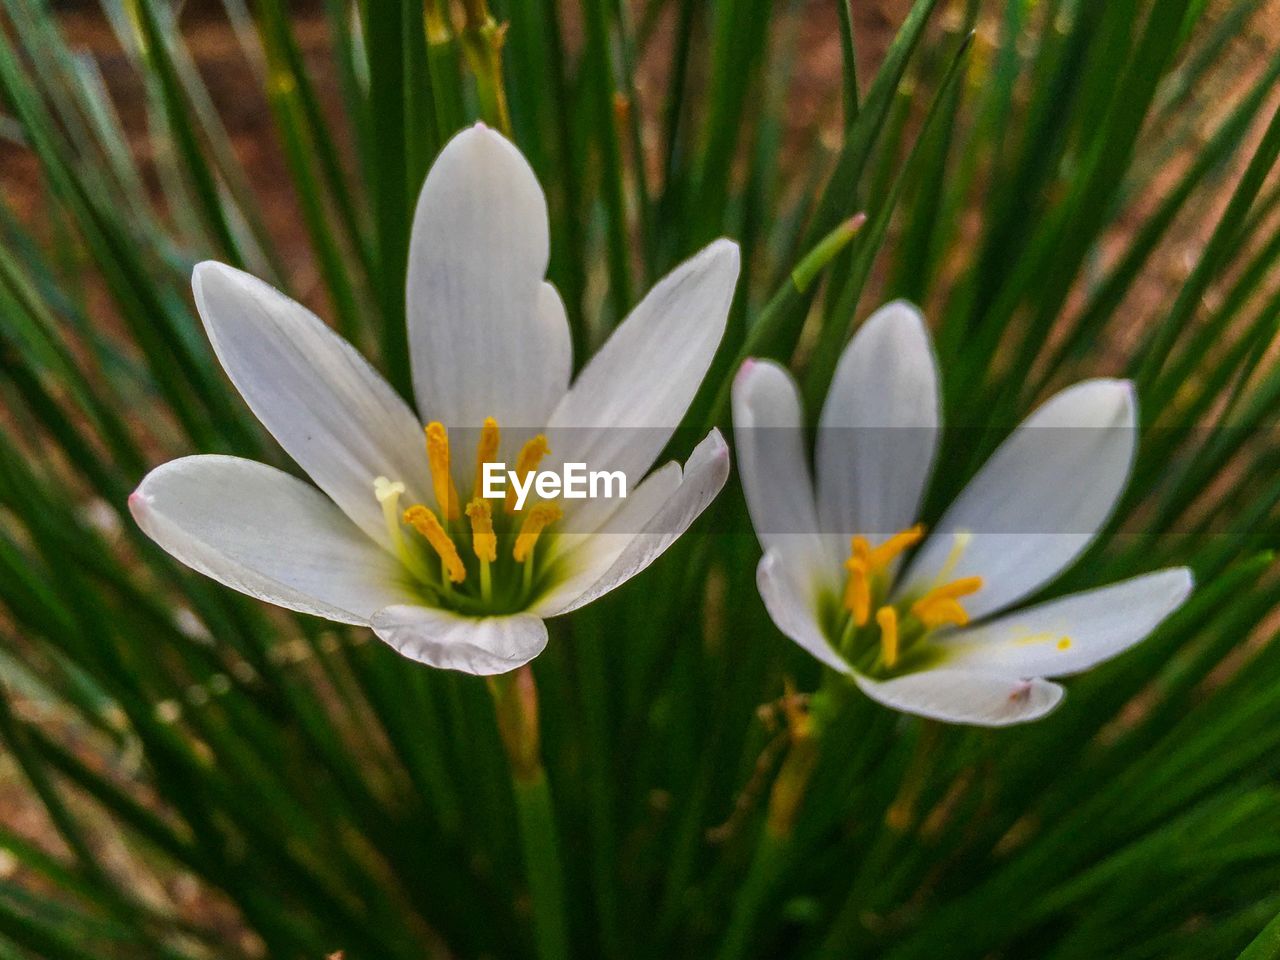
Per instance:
x=483, y=540
x=426, y=523
x=940, y=613
x=865, y=561
x=860, y=549
x=881, y=556
x=857, y=590
x=537, y=519
x=441, y=480
x=530, y=455
x=1064, y=643
x=887, y=620
x=941, y=605
x=964, y=587
x=486, y=452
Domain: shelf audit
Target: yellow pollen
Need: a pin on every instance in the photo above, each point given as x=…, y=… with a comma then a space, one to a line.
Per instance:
x=426, y=523
x=530, y=455
x=941, y=605
x=486, y=452
x=857, y=590
x=538, y=518
x=887, y=620
x=483, y=540
x=441, y=481
x=1033, y=638
x=1064, y=643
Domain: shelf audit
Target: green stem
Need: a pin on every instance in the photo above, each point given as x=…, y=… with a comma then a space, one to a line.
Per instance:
x=442, y=67
x=383, y=29
x=482, y=40
x=515, y=703
x=598, y=64
x=773, y=853
x=771, y=856
x=542, y=865
x=885, y=850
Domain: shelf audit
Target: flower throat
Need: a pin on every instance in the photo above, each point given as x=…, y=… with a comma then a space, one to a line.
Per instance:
x=497, y=568
x=892, y=643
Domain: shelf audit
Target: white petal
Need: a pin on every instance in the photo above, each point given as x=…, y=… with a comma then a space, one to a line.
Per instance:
x=704, y=475
x=1040, y=499
x=583, y=557
x=792, y=607
x=555, y=353
x=483, y=646
x=964, y=696
x=482, y=339
x=879, y=428
x=312, y=390
x=260, y=531
x=627, y=402
x=768, y=431
x=1067, y=636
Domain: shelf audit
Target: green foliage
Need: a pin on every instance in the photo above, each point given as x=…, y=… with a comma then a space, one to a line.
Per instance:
x=1026, y=184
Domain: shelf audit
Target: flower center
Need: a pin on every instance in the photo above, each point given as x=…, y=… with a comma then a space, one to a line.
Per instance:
x=496, y=569
x=893, y=641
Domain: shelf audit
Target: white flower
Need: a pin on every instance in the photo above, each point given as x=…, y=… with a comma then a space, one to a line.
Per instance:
x=396, y=537
x=933, y=640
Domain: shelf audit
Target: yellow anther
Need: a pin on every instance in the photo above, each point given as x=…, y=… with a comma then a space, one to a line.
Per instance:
x=860, y=549
x=940, y=613
x=535, y=521
x=530, y=456
x=865, y=561
x=426, y=523
x=857, y=590
x=1064, y=643
x=887, y=620
x=441, y=480
x=486, y=452
x=881, y=556
x=483, y=540
x=964, y=587
x=941, y=605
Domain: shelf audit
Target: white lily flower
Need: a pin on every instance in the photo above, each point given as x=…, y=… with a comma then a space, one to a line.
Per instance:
x=398, y=538
x=934, y=639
